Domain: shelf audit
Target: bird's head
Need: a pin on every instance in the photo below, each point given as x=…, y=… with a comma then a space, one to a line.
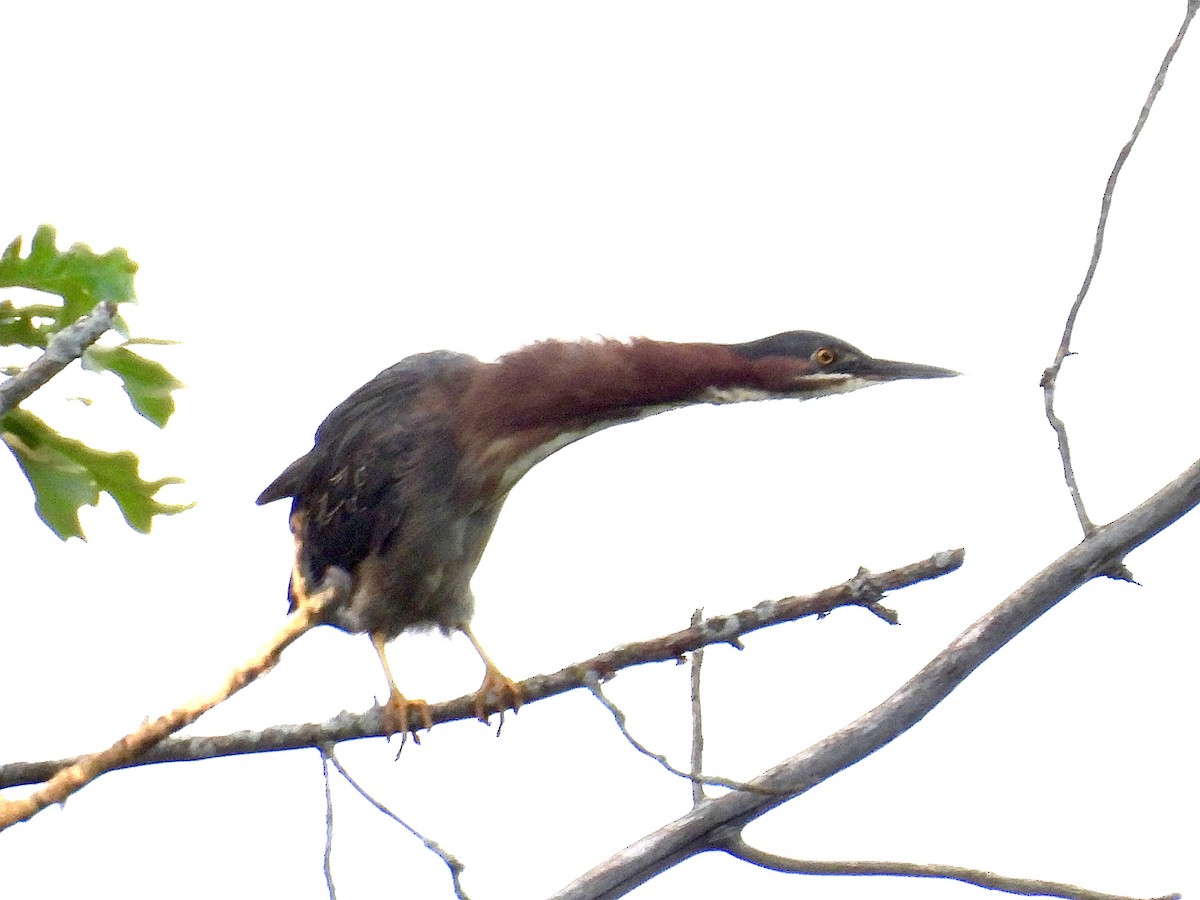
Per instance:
x=806, y=364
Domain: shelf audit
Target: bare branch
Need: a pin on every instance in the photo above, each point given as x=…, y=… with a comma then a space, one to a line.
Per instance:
x=1050, y=376
x=1033, y=887
x=697, y=757
x=452, y=862
x=868, y=595
x=348, y=726
x=713, y=823
x=694, y=776
x=65, y=347
x=83, y=770
x=326, y=864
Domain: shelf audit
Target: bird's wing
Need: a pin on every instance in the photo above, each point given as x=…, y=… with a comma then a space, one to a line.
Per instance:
x=289, y=482
x=348, y=491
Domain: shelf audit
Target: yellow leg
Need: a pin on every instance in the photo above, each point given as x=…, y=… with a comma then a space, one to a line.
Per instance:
x=396, y=711
x=495, y=683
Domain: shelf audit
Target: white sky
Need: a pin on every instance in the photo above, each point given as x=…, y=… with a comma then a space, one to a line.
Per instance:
x=313, y=196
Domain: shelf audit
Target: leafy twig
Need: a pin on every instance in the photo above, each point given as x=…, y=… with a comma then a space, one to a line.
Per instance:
x=65, y=473
x=65, y=347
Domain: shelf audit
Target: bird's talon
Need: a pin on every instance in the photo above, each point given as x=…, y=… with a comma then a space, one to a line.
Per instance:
x=398, y=715
x=497, y=694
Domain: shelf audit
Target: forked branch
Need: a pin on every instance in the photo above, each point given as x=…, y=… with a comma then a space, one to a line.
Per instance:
x=713, y=823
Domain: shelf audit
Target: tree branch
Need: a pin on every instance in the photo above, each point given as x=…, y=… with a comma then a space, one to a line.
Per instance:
x=713, y=823
x=697, y=755
x=64, y=348
x=861, y=590
x=1050, y=376
x=327, y=857
x=979, y=877
x=695, y=776
x=79, y=772
x=452, y=863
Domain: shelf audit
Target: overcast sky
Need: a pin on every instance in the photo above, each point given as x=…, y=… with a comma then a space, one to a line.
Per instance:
x=312, y=196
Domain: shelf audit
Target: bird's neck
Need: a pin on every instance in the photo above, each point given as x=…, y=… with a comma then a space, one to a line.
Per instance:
x=527, y=405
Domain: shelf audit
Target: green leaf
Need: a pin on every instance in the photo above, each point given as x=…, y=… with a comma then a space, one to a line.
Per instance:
x=66, y=474
x=33, y=310
x=78, y=275
x=17, y=325
x=152, y=342
x=147, y=382
x=120, y=326
x=19, y=329
x=13, y=250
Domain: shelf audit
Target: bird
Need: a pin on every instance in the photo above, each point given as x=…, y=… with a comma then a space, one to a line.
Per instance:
x=402, y=488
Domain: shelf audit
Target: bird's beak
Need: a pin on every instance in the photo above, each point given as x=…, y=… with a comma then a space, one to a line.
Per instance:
x=892, y=370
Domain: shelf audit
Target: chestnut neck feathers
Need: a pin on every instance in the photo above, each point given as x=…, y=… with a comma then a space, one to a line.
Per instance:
x=574, y=384
x=520, y=409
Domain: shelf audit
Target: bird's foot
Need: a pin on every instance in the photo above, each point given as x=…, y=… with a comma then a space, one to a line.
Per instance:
x=497, y=693
x=398, y=717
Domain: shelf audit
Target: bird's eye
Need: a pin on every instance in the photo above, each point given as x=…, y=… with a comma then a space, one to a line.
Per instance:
x=825, y=357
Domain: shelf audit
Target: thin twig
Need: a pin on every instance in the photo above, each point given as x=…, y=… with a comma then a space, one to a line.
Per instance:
x=452, y=862
x=326, y=866
x=1050, y=375
x=697, y=759
x=348, y=726
x=866, y=593
x=128, y=749
x=66, y=346
x=593, y=685
x=979, y=877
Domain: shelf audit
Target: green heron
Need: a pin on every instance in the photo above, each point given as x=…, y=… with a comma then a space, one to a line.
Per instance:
x=401, y=490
